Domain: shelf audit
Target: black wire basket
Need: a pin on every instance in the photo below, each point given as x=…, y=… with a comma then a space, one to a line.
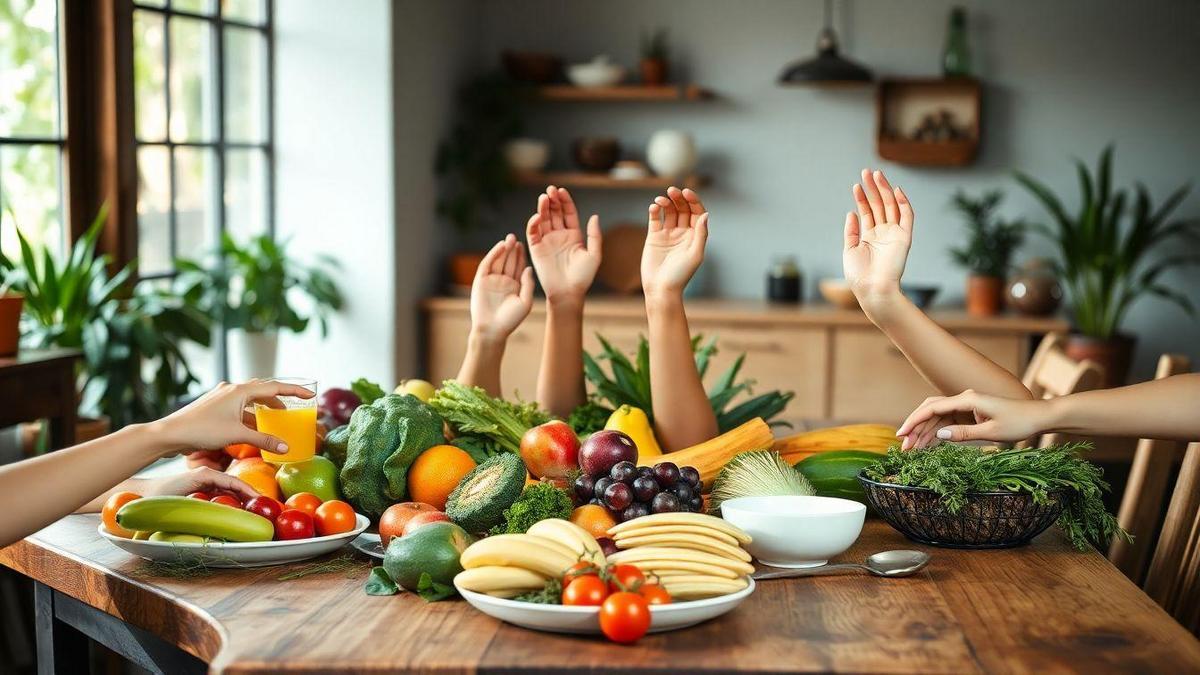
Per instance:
x=987, y=520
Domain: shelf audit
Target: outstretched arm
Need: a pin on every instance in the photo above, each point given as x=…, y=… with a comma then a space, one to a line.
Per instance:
x=678, y=230
x=877, y=238
x=82, y=474
x=565, y=267
x=501, y=297
x=1163, y=409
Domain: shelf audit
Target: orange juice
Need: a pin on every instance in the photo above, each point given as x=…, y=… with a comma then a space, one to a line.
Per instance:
x=295, y=426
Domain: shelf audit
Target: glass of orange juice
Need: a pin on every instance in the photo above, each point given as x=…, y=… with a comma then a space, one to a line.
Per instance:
x=295, y=423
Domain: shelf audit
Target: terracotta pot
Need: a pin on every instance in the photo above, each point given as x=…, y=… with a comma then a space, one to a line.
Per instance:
x=10, y=319
x=985, y=295
x=462, y=267
x=654, y=71
x=1115, y=354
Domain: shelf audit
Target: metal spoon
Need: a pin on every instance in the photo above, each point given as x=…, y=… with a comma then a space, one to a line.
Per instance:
x=883, y=564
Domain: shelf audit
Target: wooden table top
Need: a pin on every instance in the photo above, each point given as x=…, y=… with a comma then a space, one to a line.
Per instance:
x=26, y=358
x=1040, y=608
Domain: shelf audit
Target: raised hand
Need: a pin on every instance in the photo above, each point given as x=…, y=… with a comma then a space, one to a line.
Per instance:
x=678, y=229
x=971, y=416
x=502, y=293
x=565, y=266
x=877, y=237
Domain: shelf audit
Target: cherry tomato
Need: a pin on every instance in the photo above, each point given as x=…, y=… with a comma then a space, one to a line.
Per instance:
x=202, y=496
x=587, y=590
x=294, y=524
x=109, y=513
x=624, y=617
x=264, y=506
x=227, y=501
x=242, y=451
x=334, y=517
x=625, y=578
x=655, y=594
x=304, y=501
x=579, y=569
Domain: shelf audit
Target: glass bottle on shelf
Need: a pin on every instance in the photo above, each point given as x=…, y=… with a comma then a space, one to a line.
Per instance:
x=783, y=280
x=956, y=57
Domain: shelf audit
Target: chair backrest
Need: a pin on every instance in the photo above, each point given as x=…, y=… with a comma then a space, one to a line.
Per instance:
x=1051, y=373
x=1149, y=475
x=1173, y=580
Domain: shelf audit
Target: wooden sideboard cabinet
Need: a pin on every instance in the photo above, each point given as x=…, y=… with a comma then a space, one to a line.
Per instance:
x=838, y=364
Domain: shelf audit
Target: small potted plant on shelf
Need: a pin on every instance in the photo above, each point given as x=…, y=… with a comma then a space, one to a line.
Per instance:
x=1104, y=252
x=250, y=289
x=654, y=64
x=987, y=252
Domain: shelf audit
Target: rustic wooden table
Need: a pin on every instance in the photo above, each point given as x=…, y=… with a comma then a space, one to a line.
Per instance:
x=1041, y=608
x=39, y=383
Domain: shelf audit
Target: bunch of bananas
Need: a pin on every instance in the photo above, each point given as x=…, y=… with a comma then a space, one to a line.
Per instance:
x=507, y=565
x=693, y=555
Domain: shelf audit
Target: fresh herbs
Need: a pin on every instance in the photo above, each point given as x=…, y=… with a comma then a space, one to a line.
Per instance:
x=953, y=471
x=472, y=411
x=367, y=391
x=589, y=418
x=538, y=502
x=755, y=474
x=550, y=594
x=341, y=563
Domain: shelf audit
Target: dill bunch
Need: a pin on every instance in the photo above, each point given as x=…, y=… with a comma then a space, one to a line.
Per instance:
x=953, y=471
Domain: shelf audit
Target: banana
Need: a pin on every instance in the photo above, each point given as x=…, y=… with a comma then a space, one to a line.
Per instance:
x=659, y=519
x=695, y=542
x=707, y=588
x=185, y=515
x=676, y=567
x=492, y=579
x=526, y=551
x=177, y=538
x=579, y=540
x=552, y=543
x=676, y=529
x=665, y=553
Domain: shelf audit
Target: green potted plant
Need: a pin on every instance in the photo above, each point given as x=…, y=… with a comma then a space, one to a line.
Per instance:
x=250, y=290
x=987, y=252
x=1106, y=258
x=655, y=51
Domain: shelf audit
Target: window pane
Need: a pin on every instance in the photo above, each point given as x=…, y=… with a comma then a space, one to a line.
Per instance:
x=191, y=80
x=195, y=6
x=153, y=207
x=29, y=68
x=245, y=193
x=149, y=76
x=249, y=11
x=151, y=3
x=245, y=78
x=195, y=199
x=30, y=196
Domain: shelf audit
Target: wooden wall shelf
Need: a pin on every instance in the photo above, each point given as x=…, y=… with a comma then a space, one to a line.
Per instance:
x=602, y=181
x=625, y=92
x=902, y=104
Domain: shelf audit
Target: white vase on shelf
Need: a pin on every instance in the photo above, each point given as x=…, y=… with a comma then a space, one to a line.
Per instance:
x=671, y=153
x=251, y=354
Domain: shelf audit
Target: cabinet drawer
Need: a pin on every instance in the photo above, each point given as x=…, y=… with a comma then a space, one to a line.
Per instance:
x=522, y=356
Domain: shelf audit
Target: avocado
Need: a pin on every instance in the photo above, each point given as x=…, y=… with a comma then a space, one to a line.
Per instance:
x=478, y=503
x=433, y=549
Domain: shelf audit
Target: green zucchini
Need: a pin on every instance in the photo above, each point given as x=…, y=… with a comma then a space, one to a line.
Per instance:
x=835, y=473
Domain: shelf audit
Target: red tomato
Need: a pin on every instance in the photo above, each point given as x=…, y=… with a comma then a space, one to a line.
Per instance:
x=579, y=569
x=304, y=501
x=202, y=496
x=334, y=517
x=625, y=578
x=227, y=501
x=264, y=506
x=624, y=617
x=655, y=594
x=242, y=451
x=587, y=590
x=294, y=524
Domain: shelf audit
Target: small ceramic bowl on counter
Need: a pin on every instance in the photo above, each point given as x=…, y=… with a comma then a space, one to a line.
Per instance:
x=793, y=532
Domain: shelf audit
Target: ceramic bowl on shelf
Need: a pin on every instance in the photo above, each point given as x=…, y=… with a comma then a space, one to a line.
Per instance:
x=596, y=154
x=527, y=154
x=599, y=72
x=921, y=296
x=791, y=531
x=535, y=67
x=838, y=293
x=629, y=169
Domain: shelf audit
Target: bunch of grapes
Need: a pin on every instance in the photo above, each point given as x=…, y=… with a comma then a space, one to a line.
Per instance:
x=630, y=491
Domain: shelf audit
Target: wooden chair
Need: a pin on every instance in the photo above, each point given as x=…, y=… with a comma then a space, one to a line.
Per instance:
x=1149, y=475
x=1052, y=373
x=1173, y=580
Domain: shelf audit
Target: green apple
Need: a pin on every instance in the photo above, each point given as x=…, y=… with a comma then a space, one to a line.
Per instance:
x=318, y=475
x=418, y=388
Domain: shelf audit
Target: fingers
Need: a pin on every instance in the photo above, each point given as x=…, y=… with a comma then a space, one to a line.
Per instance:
x=968, y=432
x=519, y=254
x=509, y=268
x=594, y=239
x=526, y=293
x=264, y=442
x=907, y=217
x=533, y=229
x=266, y=390
x=699, y=236
x=890, y=210
x=863, y=206
x=655, y=218
x=683, y=210
x=233, y=484
x=556, y=209
x=493, y=262
x=570, y=213
x=852, y=234
x=872, y=195
x=669, y=213
x=693, y=201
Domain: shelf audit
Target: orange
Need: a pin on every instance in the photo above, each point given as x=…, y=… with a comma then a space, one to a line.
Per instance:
x=304, y=501
x=436, y=473
x=242, y=451
x=258, y=474
x=109, y=513
x=593, y=518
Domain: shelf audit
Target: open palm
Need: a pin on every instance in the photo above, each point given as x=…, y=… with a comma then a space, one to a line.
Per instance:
x=878, y=236
x=502, y=293
x=677, y=232
x=565, y=266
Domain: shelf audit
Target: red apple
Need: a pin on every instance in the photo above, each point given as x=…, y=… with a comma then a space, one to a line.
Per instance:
x=604, y=449
x=264, y=506
x=550, y=450
x=422, y=519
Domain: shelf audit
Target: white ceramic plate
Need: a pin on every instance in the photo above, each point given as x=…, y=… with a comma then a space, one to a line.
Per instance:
x=369, y=543
x=238, y=554
x=585, y=620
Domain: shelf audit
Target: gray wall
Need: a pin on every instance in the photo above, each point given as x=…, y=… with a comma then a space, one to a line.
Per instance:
x=1063, y=79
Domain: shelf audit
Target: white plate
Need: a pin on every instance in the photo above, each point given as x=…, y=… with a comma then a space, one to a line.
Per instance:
x=585, y=620
x=368, y=543
x=238, y=554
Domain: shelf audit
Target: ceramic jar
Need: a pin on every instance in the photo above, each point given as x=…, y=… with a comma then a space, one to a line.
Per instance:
x=1035, y=290
x=671, y=153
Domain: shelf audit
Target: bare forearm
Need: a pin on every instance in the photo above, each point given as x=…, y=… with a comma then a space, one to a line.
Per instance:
x=946, y=362
x=481, y=365
x=560, y=377
x=682, y=414
x=1167, y=409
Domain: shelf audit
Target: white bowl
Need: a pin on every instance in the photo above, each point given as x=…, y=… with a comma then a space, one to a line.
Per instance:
x=238, y=554
x=599, y=72
x=791, y=531
x=527, y=154
x=586, y=621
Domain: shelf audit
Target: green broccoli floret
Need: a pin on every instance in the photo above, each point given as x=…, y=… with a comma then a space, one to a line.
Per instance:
x=537, y=502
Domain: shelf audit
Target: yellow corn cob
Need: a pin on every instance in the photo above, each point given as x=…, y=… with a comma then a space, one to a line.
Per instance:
x=871, y=437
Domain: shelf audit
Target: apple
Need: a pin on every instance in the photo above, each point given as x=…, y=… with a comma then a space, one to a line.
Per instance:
x=602, y=450
x=550, y=450
x=419, y=388
x=264, y=506
x=422, y=519
x=393, y=520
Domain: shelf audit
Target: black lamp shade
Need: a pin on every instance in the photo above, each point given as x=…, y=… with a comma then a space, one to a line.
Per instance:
x=824, y=68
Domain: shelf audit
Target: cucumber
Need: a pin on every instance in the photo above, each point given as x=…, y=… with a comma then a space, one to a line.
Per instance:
x=184, y=515
x=835, y=473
